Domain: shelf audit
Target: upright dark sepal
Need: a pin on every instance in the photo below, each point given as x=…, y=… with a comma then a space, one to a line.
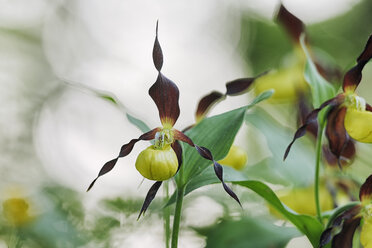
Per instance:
x=353, y=77
x=365, y=192
x=149, y=197
x=157, y=54
x=294, y=26
x=311, y=118
x=165, y=95
x=164, y=92
x=124, y=151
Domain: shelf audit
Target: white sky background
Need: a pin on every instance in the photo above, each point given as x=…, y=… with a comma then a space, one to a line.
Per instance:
x=108, y=45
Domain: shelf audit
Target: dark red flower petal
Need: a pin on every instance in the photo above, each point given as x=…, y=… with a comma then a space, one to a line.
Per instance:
x=353, y=77
x=336, y=132
x=346, y=158
x=304, y=109
x=205, y=153
x=165, y=95
x=207, y=102
x=344, y=239
x=149, y=197
x=157, y=54
x=367, y=52
x=164, y=92
x=365, y=192
x=349, y=221
x=241, y=85
x=294, y=26
x=311, y=118
x=124, y=151
x=368, y=107
x=178, y=150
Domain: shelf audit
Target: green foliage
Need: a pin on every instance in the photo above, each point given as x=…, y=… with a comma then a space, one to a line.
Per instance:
x=247, y=233
x=217, y=133
x=308, y=225
x=298, y=169
x=321, y=90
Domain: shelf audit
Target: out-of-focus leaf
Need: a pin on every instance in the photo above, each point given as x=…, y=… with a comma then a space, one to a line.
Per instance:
x=138, y=123
x=339, y=35
x=103, y=226
x=308, y=225
x=321, y=90
x=217, y=133
x=297, y=170
x=247, y=233
x=263, y=43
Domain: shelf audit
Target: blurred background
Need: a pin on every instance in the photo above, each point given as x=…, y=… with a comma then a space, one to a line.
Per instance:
x=55, y=133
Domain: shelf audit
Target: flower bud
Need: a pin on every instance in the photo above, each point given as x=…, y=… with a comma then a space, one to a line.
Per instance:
x=286, y=82
x=302, y=201
x=358, y=124
x=236, y=158
x=157, y=164
x=15, y=211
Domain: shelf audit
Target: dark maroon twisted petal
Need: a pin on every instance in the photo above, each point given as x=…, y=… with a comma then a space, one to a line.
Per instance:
x=239, y=86
x=207, y=102
x=353, y=77
x=336, y=134
x=124, y=151
x=294, y=26
x=178, y=150
x=365, y=192
x=149, y=197
x=344, y=239
x=304, y=109
x=349, y=221
x=311, y=118
x=205, y=153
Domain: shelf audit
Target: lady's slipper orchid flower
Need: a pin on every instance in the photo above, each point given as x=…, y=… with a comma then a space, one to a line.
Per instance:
x=161, y=161
x=349, y=116
x=350, y=219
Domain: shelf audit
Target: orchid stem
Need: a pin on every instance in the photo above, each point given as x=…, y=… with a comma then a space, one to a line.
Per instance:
x=177, y=214
x=166, y=213
x=317, y=168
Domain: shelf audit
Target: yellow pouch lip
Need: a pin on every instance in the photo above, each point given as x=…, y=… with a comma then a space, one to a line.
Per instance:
x=358, y=124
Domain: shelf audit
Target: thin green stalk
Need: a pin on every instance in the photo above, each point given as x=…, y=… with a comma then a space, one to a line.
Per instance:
x=166, y=214
x=317, y=169
x=177, y=213
x=177, y=216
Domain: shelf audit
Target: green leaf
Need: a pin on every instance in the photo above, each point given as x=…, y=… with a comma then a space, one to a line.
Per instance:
x=298, y=169
x=138, y=123
x=247, y=233
x=208, y=177
x=217, y=133
x=321, y=89
x=308, y=225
